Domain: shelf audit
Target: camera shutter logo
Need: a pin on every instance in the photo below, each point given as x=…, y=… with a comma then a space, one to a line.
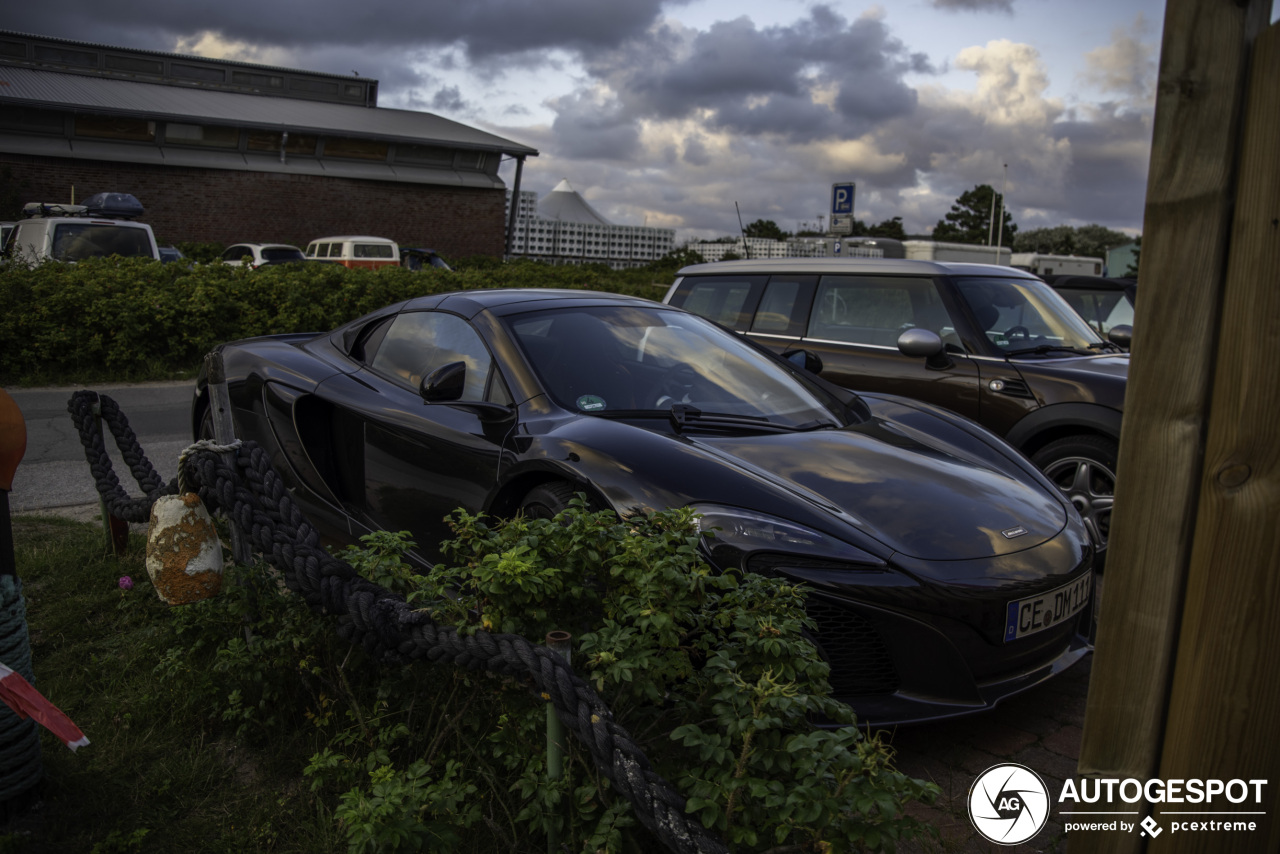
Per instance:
x=1008, y=804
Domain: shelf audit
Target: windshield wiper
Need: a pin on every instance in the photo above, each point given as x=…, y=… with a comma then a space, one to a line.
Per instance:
x=683, y=415
x=1106, y=345
x=1042, y=349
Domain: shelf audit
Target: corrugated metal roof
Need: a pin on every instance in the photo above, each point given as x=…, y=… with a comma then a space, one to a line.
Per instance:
x=248, y=66
x=37, y=88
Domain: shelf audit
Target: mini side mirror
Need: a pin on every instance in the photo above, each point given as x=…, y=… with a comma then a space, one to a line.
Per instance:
x=444, y=384
x=925, y=344
x=811, y=362
x=1121, y=335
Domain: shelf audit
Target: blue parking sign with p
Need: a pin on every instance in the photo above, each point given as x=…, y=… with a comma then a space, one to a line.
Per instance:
x=842, y=199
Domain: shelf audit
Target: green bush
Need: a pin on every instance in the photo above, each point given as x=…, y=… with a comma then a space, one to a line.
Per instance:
x=709, y=672
x=113, y=319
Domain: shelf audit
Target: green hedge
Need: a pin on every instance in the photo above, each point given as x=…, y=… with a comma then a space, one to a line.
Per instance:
x=130, y=320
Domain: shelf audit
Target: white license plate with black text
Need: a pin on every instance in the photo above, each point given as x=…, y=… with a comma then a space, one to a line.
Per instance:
x=1037, y=613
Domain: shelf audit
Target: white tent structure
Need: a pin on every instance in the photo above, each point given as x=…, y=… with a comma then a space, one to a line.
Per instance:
x=565, y=204
x=563, y=228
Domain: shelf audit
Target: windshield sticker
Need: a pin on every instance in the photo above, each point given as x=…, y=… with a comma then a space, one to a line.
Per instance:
x=591, y=403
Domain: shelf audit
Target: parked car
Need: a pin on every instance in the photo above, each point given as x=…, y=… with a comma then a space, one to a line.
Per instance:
x=992, y=343
x=1104, y=303
x=255, y=255
x=356, y=251
x=422, y=259
x=946, y=572
x=101, y=227
x=169, y=254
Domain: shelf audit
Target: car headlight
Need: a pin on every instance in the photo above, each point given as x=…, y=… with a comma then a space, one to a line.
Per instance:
x=731, y=534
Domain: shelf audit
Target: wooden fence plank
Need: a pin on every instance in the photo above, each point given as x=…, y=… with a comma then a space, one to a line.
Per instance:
x=1224, y=709
x=1190, y=195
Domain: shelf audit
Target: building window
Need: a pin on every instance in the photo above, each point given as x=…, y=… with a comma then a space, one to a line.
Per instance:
x=32, y=120
x=210, y=136
x=135, y=64
x=355, y=149
x=269, y=140
x=197, y=72
x=245, y=78
x=115, y=127
x=66, y=56
x=434, y=154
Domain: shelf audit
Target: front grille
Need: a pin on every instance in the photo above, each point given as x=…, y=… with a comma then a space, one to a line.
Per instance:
x=860, y=663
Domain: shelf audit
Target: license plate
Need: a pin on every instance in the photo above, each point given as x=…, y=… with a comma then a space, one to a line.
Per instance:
x=1037, y=613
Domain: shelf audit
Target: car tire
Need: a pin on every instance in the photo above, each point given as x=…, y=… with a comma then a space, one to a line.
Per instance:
x=549, y=499
x=1084, y=468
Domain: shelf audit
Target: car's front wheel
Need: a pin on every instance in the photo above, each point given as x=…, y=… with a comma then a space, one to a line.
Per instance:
x=1084, y=468
x=547, y=500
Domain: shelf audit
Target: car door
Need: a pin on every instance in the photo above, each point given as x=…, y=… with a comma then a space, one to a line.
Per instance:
x=853, y=326
x=419, y=462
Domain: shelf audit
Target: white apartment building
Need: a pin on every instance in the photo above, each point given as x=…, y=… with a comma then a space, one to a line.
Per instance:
x=757, y=248
x=563, y=228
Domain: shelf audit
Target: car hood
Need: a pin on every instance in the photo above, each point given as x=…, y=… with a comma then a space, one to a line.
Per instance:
x=1111, y=365
x=917, y=495
x=930, y=490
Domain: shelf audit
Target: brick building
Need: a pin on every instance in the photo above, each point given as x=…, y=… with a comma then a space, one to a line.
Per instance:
x=231, y=151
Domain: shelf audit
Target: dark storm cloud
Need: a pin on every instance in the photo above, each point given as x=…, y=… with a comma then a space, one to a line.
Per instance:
x=767, y=80
x=585, y=128
x=1107, y=180
x=487, y=28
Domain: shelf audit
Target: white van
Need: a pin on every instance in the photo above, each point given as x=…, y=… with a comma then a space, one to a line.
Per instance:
x=355, y=251
x=1061, y=265
x=99, y=228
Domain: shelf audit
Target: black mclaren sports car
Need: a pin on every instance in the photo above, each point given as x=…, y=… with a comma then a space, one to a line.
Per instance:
x=945, y=571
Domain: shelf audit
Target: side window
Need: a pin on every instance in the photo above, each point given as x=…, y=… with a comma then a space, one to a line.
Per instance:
x=311, y=250
x=784, y=306
x=419, y=342
x=877, y=309
x=373, y=250
x=727, y=300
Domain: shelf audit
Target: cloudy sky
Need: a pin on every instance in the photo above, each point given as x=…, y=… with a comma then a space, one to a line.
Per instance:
x=667, y=112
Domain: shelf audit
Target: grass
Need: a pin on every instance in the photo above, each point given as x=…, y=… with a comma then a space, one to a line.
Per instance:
x=159, y=775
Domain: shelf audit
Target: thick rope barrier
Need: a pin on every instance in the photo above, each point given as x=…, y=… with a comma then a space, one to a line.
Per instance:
x=20, y=767
x=254, y=498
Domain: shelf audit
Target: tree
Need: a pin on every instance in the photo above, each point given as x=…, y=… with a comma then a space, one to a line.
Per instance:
x=1092, y=240
x=765, y=228
x=889, y=228
x=1137, y=257
x=969, y=220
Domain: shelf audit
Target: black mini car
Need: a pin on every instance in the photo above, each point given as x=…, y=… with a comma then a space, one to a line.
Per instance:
x=994, y=344
x=945, y=571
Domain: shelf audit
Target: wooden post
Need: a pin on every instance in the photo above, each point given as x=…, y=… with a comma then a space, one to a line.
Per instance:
x=1224, y=707
x=1161, y=503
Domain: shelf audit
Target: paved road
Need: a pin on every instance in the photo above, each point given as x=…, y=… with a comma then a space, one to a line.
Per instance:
x=53, y=473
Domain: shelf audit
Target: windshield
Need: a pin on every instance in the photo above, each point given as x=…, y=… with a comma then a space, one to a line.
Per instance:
x=77, y=241
x=607, y=360
x=282, y=254
x=1023, y=315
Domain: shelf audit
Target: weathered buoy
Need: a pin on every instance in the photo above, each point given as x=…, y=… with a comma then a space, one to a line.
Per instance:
x=184, y=556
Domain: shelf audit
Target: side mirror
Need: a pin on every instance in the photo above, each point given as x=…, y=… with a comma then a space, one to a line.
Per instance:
x=1121, y=335
x=811, y=362
x=444, y=384
x=925, y=344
